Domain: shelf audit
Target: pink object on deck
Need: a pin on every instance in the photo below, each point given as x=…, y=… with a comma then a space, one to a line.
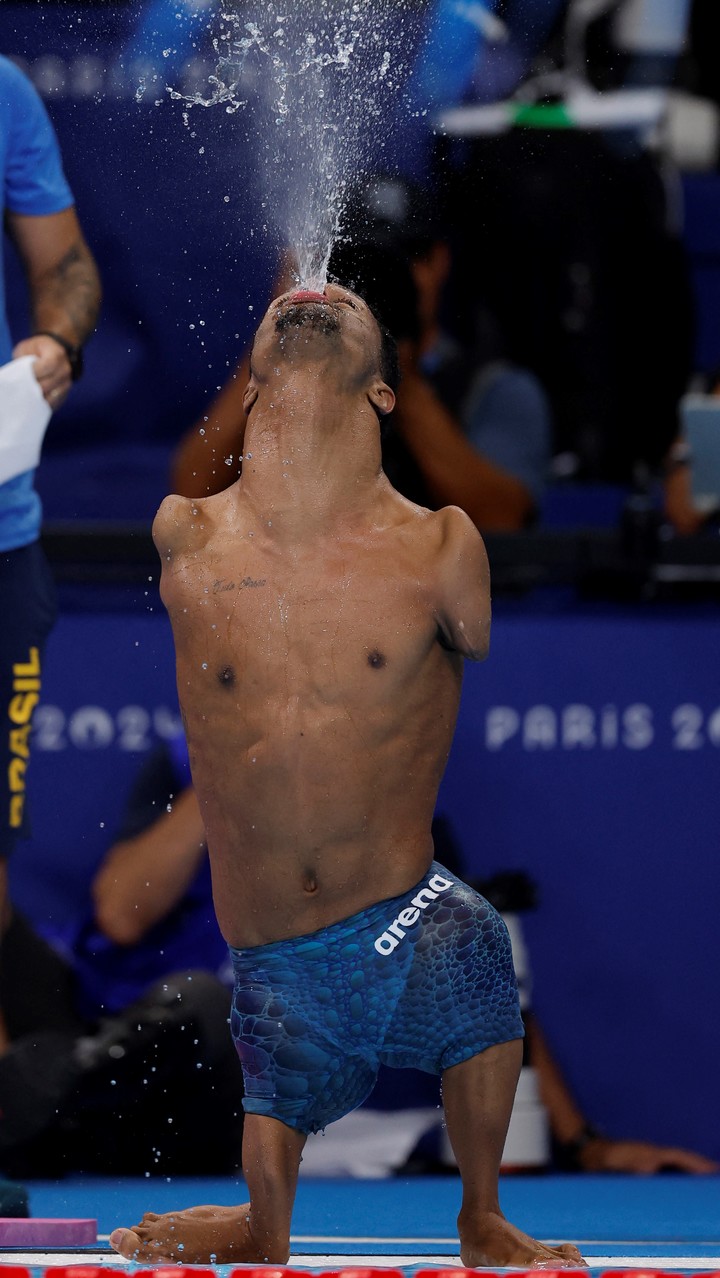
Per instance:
x=38, y=1231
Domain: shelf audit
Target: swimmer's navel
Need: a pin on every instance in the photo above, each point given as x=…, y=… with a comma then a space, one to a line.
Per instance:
x=226, y=676
x=309, y=882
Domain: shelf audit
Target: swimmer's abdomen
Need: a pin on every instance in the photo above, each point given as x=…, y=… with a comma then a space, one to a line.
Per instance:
x=317, y=741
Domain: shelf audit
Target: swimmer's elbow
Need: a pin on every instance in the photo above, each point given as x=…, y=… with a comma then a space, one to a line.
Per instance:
x=119, y=923
x=473, y=643
x=480, y=650
x=123, y=931
x=472, y=648
x=479, y=654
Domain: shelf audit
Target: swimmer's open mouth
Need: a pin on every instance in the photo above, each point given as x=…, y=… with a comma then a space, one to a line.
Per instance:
x=307, y=295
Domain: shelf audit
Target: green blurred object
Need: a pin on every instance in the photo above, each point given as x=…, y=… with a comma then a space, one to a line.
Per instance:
x=543, y=115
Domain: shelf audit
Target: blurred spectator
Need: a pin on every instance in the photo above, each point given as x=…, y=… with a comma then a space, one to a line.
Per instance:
x=570, y=232
x=687, y=514
x=579, y=1146
x=578, y=258
x=129, y=1031
x=64, y=295
x=469, y=429
x=678, y=505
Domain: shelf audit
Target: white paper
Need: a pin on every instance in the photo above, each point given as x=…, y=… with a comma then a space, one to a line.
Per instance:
x=24, y=415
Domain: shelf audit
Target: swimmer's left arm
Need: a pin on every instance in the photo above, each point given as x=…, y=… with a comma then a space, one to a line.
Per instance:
x=463, y=611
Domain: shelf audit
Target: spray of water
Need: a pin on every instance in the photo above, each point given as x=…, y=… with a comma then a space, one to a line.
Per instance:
x=320, y=81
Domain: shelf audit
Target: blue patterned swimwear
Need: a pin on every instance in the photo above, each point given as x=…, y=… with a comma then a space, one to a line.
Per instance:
x=422, y=981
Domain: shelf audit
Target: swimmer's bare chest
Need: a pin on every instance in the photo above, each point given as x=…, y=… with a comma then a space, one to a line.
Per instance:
x=319, y=706
x=321, y=614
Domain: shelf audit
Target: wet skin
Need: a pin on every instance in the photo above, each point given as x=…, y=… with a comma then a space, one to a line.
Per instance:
x=320, y=624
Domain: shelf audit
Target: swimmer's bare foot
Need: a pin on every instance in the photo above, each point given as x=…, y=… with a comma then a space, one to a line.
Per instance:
x=197, y=1235
x=487, y=1238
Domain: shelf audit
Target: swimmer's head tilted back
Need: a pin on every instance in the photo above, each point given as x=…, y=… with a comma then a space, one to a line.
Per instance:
x=336, y=332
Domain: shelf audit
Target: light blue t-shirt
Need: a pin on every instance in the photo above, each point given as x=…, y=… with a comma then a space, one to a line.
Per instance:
x=33, y=183
x=507, y=418
x=504, y=413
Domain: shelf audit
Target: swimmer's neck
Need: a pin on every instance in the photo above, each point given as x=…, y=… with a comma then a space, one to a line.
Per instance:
x=309, y=450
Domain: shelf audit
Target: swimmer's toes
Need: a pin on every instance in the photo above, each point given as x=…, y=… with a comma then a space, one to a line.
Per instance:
x=126, y=1242
x=571, y=1256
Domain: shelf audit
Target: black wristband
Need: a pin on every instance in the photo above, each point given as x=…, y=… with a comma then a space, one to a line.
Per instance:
x=74, y=353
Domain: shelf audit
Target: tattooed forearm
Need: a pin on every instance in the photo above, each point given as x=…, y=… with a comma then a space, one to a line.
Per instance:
x=67, y=295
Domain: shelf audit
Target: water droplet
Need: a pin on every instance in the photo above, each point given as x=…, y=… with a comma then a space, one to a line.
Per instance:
x=204, y=665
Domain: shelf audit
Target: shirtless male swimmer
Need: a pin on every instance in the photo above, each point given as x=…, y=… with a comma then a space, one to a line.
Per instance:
x=320, y=623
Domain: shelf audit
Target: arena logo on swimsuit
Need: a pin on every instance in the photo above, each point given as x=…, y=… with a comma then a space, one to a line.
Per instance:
x=390, y=940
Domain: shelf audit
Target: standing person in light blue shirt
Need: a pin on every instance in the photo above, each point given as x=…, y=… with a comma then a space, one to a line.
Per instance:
x=64, y=294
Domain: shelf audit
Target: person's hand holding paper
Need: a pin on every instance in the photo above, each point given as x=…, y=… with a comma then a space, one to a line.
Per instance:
x=24, y=415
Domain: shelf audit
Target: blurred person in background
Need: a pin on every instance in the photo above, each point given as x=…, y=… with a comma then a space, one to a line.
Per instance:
x=469, y=428
x=127, y=1029
x=64, y=295
x=569, y=222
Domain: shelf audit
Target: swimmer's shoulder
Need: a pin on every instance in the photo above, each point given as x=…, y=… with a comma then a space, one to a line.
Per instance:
x=440, y=534
x=187, y=523
x=457, y=534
